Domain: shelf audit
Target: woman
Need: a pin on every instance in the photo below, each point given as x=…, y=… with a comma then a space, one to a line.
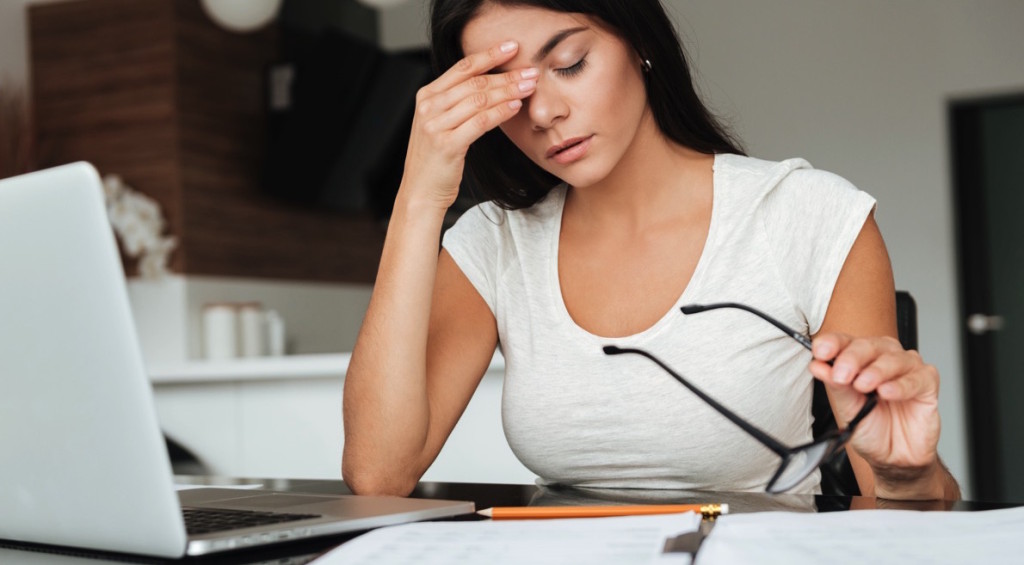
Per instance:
x=615, y=199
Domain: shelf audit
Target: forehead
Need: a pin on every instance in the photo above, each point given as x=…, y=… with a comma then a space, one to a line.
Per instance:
x=529, y=25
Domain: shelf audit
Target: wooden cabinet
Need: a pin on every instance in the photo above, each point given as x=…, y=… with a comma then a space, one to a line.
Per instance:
x=157, y=93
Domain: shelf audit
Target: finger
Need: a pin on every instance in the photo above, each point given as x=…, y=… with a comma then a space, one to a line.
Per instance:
x=858, y=354
x=471, y=65
x=827, y=346
x=845, y=399
x=822, y=371
x=920, y=384
x=482, y=102
x=887, y=366
x=482, y=122
x=843, y=394
x=511, y=81
x=855, y=355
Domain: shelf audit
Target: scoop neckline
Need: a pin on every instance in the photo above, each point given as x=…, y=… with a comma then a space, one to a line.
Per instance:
x=580, y=332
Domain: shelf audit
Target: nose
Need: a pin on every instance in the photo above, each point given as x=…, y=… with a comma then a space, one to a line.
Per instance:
x=546, y=106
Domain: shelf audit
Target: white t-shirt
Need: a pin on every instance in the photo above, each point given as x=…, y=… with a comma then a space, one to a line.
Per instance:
x=779, y=235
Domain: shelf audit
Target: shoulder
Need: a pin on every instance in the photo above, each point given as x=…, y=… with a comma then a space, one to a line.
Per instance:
x=746, y=170
x=480, y=216
x=488, y=217
x=809, y=192
x=788, y=183
x=488, y=228
x=812, y=182
x=808, y=219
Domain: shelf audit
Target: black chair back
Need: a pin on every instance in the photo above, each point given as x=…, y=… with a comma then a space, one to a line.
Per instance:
x=837, y=476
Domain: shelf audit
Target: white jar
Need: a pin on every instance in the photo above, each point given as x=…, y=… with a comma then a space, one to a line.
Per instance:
x=275, y=334
x=251, y=340
x=220, y=338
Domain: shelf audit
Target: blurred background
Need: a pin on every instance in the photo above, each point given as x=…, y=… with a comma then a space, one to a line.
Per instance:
x=274, y=153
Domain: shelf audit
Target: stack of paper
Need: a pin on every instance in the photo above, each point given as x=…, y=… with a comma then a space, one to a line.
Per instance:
x=594, y=541
x=857, y=537
x=867, y=537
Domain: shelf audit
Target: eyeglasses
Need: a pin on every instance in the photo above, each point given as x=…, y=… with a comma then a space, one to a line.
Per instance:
x=797, y=462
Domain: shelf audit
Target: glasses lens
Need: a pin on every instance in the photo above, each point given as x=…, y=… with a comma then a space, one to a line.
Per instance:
x=799, y=465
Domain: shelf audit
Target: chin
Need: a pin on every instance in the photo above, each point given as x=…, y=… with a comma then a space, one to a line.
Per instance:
x=581, y=178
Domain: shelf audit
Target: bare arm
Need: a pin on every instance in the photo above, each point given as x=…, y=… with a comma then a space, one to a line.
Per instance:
x=428, y=335
x=414, y=370
x=893, y=452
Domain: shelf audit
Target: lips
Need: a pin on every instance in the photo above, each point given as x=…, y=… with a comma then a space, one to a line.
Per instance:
x=569, y=150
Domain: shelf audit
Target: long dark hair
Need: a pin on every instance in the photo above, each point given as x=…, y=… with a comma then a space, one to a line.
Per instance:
x=499, y=171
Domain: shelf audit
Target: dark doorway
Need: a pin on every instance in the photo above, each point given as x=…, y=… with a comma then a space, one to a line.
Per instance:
x=988, y=157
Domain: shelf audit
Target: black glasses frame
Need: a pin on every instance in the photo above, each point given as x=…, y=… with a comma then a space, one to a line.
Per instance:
x=823, y=448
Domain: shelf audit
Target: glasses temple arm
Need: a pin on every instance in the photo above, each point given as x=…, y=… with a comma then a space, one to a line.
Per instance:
x=697, y=308
x=767, y=440
x=872, y=397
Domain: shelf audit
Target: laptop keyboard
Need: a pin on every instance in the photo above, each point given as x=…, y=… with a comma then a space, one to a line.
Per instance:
x=207, y=520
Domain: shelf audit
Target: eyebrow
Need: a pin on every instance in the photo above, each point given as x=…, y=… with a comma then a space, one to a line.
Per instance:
x=548, y=47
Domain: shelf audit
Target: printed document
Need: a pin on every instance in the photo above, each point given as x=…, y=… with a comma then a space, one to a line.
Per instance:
x=594, y=541
x=867, y=536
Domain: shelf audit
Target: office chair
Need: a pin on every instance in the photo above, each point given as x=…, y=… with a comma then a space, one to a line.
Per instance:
x=837, y=476
x=183, y=461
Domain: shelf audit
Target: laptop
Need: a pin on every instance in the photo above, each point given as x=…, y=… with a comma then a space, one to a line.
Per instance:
x=84, y=463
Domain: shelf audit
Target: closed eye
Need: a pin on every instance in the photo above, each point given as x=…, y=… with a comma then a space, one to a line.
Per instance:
x=573, y=70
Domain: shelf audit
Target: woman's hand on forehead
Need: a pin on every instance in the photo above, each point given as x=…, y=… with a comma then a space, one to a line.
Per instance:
x=488, y=61
x=455, y=110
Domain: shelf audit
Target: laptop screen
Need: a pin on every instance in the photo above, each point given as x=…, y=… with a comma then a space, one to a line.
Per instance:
x=84, y=462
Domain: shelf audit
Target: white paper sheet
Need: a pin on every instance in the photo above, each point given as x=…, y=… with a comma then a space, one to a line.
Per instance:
x=867, y=537
x=594, y=541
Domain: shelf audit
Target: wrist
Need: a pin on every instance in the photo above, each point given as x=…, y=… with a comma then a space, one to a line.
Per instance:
x=909, y=483
x=411, y=200
x=411, y=212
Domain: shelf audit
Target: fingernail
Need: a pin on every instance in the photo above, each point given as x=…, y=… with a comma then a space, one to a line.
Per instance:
x=527, y=85
x=529, y=73
x=822, y=350
x=866, y=383
x=508, y=47
x=515, y=104
x=841, y=374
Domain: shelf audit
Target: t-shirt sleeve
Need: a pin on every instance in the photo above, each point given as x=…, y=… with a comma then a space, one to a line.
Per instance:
x=812, y=219
x=473, y=242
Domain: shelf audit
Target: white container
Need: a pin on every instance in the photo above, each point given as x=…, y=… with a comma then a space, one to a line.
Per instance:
x=251, y=336
x=275, y=334
x=220, y=337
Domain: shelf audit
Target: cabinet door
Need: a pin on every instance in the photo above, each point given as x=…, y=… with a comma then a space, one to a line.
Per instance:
x=292, y=428
x=202, y=418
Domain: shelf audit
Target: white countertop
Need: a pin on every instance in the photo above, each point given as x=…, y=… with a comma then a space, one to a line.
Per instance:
x=319, y=366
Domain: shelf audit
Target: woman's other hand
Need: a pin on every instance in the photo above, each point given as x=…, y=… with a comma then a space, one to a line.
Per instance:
x=899, y=438
x=894, y=449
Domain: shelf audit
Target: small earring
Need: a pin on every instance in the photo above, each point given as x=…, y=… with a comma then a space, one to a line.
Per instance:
x=646, y=65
